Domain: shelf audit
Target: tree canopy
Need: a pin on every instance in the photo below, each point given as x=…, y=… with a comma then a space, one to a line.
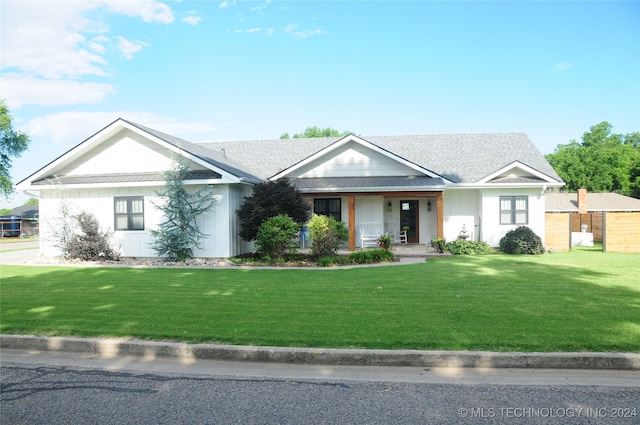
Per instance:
x=316, y=132
x=12, y=144
x=602, y=162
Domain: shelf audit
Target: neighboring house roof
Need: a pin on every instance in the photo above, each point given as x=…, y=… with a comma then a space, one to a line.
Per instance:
x=460, y=158
x=26, y=211
x=568, y=202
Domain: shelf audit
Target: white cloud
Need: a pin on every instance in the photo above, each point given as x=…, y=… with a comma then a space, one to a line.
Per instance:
x=71, y=128
x=226, y=4
x=57, y=40
x=20, y=90
x=306, y=34
x=129, y=48
x=254, y=30
x=563, y=66
x=47, y=40
x=192, y=20
x=149, y=11
x=292, y=29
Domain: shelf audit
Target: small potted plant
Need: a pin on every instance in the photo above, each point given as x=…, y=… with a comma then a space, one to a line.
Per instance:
x=438, y=244
x=384, y=241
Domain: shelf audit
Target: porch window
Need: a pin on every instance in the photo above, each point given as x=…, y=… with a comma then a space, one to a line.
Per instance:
x=514, y=210
x=129, y=213
x=328, y=206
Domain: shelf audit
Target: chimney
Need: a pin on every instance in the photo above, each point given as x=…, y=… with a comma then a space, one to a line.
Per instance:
x=582, y=201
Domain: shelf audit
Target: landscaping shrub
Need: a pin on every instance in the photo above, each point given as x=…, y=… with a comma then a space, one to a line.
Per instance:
x=521, y=240
x=461, y=246
x=327, y=235
x=276, y=236
x=370, y=256
x=91, y=244
x=270, y=199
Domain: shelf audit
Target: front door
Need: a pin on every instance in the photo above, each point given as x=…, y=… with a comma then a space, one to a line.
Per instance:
x=409, y=220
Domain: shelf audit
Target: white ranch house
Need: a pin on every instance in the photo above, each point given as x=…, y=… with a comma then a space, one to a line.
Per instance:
x=430, y=185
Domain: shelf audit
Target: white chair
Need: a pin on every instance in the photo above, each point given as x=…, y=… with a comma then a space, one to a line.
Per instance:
x=403, y=237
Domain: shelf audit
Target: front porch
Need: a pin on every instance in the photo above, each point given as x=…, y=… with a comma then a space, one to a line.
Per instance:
x=420, y=215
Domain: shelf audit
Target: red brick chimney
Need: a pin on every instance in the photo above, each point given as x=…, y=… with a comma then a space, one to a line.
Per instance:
x=582, y=201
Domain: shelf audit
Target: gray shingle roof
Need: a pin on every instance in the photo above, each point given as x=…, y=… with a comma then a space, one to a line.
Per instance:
x=327, y=183
x=125, y=178
x=461, y=158
x=213, y=157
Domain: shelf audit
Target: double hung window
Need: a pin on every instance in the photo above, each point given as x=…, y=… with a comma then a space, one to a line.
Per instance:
x=514, y=210
x=129, y=213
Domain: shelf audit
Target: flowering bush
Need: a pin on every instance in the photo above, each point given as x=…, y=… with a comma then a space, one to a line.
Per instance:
x=384, y=242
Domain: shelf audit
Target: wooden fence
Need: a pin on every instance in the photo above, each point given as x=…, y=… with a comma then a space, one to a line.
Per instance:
x=622, y=232
x=618, y=231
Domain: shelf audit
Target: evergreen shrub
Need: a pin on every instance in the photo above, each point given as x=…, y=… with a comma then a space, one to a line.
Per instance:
x=521, y=240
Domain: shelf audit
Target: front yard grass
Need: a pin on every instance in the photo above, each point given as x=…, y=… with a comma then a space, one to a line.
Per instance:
x=577, y=301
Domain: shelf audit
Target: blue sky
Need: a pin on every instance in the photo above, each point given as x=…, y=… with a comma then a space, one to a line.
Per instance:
x=243, y=70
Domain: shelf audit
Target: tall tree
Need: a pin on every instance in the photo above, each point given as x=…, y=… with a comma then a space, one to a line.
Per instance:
x=316, y=132
x=12, y=144
x=603, y=162
x=179, y=233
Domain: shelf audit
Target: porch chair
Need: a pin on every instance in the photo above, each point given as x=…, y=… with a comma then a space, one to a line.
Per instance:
x=403, y=237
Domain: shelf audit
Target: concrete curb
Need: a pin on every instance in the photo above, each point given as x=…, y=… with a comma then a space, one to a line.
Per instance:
x=114, y=347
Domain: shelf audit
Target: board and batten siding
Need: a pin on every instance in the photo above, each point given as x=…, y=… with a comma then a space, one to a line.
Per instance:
x=461, y=208
x=136, y=243
x=354, y=160
x=491, y=229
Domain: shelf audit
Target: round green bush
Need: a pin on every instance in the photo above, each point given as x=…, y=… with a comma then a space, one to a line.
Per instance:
x=521, y=240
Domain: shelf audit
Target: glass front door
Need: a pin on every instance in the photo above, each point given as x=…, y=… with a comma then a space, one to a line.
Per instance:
x=409, y=220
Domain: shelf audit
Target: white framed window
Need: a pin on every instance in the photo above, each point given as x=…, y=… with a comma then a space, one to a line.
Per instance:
x=514, y=210
x=128, y=213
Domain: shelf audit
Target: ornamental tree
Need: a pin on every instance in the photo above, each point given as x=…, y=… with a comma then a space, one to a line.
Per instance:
x=270, y=199
x=179, y=233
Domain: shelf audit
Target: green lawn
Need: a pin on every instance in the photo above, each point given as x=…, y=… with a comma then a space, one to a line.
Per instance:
x=578, y=301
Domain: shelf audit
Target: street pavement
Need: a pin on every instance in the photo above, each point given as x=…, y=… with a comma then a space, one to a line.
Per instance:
x=50, y=388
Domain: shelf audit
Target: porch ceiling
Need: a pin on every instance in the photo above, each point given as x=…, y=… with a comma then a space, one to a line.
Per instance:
x=365, y=184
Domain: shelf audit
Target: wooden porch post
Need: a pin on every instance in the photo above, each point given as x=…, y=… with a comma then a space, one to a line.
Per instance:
x=440, y=212
x=352, y=222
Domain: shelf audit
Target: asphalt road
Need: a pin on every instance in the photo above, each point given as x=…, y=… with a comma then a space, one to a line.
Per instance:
x=72, y=389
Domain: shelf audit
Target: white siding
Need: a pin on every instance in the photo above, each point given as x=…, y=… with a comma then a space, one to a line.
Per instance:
x=369, y=209
x=492, y=230
x=217, y=224
x=126, y=152
x=354, y=160
x=461, y=208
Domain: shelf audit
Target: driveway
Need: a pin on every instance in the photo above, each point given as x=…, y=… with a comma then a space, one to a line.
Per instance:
x=12, y=253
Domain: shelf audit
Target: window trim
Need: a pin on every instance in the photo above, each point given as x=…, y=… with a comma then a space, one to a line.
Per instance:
x=130, y=216
x=337, y=215
x=513, y=211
